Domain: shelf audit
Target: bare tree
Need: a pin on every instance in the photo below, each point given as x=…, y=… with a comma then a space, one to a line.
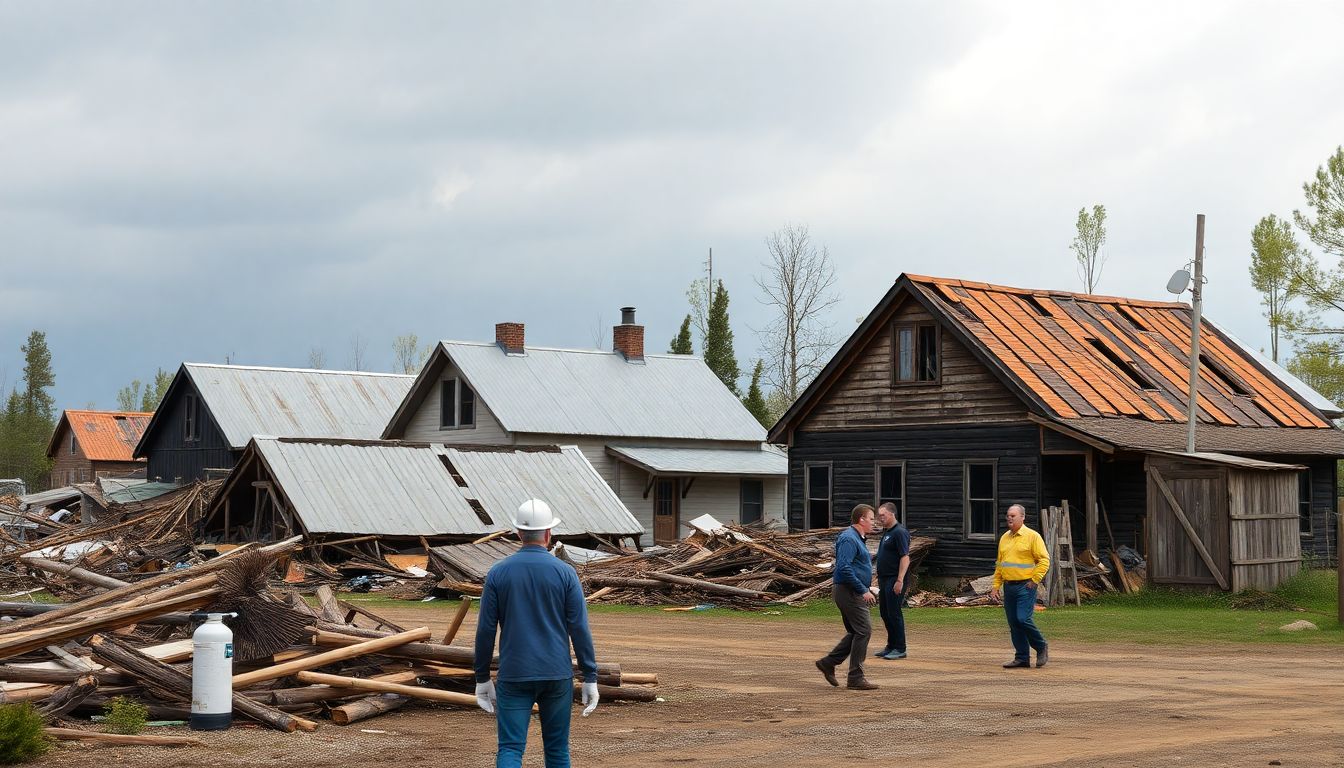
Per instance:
x=798, y=287
x=317, y=358
x=408, y=353
x=1087, y=244
x=600, y=335
x=358, y=346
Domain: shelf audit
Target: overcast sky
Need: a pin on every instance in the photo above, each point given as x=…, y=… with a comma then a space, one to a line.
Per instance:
x=191, y=181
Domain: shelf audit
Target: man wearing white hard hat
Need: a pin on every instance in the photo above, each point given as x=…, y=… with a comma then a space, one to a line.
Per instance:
x=536, y=603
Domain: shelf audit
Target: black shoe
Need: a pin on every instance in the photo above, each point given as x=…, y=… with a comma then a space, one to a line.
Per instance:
x=828, y=672
x=881, y=653
x=1015, y=664
x=863, y=685
x=1042, y=656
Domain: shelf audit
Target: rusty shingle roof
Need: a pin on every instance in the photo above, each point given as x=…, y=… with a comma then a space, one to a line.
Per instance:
x=103, y=435
x=1086, y=356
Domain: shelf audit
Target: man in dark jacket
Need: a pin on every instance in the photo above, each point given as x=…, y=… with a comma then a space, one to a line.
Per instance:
x=537, y=603
x=893, y=565
x=851, y=588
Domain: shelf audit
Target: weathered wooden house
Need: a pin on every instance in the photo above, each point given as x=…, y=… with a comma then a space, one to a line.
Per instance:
x=668, y=437
x=407, y=494
x=210, y=412
x=87, y=445
x=956, y=399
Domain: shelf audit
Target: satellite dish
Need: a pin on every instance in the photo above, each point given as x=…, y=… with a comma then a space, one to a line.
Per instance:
x=1179, y=281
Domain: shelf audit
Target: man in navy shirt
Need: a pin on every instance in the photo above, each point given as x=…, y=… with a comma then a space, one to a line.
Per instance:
x=537, y=604
x=893, y=563
x=851, y=582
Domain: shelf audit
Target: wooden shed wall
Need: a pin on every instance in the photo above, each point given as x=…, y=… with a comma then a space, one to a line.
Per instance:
x=171, y=457
x=1264, y=538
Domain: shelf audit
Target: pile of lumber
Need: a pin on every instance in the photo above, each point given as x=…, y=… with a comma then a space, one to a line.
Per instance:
x=731, y=565
x=293, y=663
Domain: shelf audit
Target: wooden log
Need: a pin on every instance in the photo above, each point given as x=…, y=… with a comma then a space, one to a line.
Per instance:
x=13, y=673
x=709, y=586
x=73, y=734
x=68, y=698
x=624, y=582
x=327, y=605
x=601, y=593
x=322, y=659
x=613, y=693
x=13, y=646
x=313, y=694
x=462, y=609
x=15, y=694
x=339, y=635
x=415, y=692
x=176, y=684
x=461, y=587
x=367, y=708
x=73, y=572
x=639, y=678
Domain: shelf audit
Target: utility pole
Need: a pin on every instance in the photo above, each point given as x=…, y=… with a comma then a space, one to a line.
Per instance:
x=1196, y=305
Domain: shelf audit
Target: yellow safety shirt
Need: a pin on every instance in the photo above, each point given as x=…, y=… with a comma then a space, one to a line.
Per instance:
x=1022, y=556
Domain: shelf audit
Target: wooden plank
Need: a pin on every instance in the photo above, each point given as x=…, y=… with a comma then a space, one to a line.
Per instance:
x=415, y=692
x=322, y=659
x=73, y=734
x=1189, y=529
x=462, y=609
x=1267, y=561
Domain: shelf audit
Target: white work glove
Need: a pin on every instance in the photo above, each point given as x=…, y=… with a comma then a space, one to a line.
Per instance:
x=589, y=698
x=485, y=696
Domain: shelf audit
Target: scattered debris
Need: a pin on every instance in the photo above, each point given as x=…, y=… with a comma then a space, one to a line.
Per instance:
x=1299, y=626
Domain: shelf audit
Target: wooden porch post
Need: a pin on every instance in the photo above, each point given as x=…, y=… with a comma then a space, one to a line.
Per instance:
x=1090, y=499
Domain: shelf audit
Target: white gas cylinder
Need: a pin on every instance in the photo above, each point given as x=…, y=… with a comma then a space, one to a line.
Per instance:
x=212, y=674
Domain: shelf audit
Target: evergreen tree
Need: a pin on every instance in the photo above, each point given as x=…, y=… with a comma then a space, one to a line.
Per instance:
x=755, y=401
x=155, y=390
x=681, y=343
x=37, y=377
x=29, y=418
x=719, y=341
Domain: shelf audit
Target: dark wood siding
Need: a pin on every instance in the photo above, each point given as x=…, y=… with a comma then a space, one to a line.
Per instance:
x=864, y=397
x=933, y=481
x=1123, y=490
x=171, y=457
x=1321, y=544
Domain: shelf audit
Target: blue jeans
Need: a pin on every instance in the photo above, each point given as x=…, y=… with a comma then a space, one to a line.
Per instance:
x=513, y=710
x=1019, y=603
x=889, y=604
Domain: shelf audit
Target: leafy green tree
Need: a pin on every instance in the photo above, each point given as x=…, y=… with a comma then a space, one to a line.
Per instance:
x=755, y=400
x=681, y=343
x=155, y=390
x=1324, y=223
x=1275, y=254
x=719, y=354
x=1087, y=244
x=129, y=397
x=1318, y=365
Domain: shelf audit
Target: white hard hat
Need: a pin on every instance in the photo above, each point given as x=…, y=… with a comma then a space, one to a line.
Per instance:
x=535, y=515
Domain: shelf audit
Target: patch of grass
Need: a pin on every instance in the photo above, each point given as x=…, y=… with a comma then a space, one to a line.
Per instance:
x=21, y=735
x=125, y=716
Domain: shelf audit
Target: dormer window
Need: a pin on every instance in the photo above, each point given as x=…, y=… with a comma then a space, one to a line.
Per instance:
x=914, y=353
x=457, y=405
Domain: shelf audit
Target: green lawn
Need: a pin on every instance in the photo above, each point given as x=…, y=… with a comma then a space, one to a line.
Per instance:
x=1155, y=616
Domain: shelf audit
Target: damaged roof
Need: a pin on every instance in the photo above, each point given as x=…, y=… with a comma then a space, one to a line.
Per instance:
x=421, y=489
x=102, y=435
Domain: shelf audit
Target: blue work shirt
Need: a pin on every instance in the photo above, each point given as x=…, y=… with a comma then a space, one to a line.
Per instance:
x=895, y=544
x=853, y=564
x=536, y=602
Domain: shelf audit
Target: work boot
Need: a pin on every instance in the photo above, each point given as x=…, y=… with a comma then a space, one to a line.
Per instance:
x=828, y=672
x=894, y=655
x=863, y=684
x=1042, y=656
x=1017, y=663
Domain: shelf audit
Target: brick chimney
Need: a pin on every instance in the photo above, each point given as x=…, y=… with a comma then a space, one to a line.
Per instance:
x=628, y=338
x=509, y=336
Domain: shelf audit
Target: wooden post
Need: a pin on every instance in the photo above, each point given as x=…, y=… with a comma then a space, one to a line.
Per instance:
x=1339, y=562
x=457, y=620
x=366, y=708
x=1090, y=499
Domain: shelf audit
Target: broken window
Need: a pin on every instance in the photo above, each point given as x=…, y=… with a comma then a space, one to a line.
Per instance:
x=915, y=353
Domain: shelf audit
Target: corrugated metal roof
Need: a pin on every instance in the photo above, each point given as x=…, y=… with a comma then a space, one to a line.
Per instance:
x=103, y=435
x=297, y=402
x=405, y=489
x=1319, y=401
x=768, y=460
x=581, y=392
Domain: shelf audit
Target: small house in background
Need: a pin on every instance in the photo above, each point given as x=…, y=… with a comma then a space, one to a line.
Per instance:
x=662, y=430
x=87, y=445
x=210, y=412
x=956, y=399
x=407, y=495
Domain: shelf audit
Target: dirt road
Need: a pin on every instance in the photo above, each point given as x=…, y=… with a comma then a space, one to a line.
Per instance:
x=743, y=692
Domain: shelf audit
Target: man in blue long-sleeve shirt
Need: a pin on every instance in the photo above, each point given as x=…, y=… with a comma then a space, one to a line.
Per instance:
x=537, y=604
x=852, y=578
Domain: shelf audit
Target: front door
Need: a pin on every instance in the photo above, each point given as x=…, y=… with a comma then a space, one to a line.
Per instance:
x=666, y=510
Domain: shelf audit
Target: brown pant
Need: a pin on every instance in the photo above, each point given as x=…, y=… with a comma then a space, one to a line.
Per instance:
x=858, y=629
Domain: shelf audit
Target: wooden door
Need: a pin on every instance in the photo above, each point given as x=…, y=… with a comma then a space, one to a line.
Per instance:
x=666, y=510
x=1197, y=554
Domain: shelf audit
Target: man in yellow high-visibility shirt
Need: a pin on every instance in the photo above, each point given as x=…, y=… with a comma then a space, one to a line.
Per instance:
x=1022, y=564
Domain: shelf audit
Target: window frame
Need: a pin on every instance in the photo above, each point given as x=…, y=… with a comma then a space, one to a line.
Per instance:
x=458, y=386
x=966, y=532
x=914, y=326
x=742, y=500
x=72, y=441
x=877, y=484
x=807, y=492
x=1304, y=505
x=191, y=419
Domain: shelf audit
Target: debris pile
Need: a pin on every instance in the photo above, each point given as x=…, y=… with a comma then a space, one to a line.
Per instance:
x=292, y=662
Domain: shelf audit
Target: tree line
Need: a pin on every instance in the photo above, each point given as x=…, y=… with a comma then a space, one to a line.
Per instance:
x=29, y=417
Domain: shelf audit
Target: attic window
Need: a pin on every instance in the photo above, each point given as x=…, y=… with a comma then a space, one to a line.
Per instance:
x=480, y=512
x=1036, y=304
x=1126, y=367
x=1229, y=379
x=457, y=477
x=914, y=353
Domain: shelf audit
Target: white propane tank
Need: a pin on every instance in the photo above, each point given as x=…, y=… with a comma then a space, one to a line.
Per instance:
x=212, y=674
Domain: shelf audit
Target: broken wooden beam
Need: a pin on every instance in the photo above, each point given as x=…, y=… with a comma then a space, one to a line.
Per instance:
x=365, y=708
x=709, y=586
x=456, y=624
x=416, y=692
x=74, y=734
x=322, y=659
